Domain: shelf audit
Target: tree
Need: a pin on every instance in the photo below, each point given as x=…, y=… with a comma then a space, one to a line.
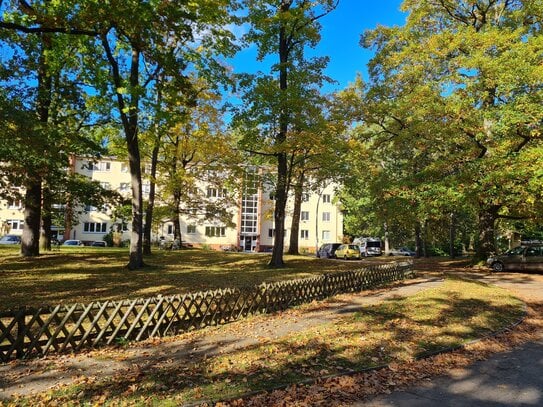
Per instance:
x=458, y=89
x=196, y=149
x=135, y=41
x=284, y=28
x=44, y=109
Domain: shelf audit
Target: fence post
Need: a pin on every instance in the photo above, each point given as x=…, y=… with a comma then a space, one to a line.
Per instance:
x=20, y=338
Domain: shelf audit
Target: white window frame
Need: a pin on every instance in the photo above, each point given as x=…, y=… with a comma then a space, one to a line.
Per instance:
x=326, y=198
x=16, y=224
x=304, y=234
x=326, y=216
x=95, y=227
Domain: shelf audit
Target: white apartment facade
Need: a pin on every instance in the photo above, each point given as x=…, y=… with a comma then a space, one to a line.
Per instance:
x=321, y=220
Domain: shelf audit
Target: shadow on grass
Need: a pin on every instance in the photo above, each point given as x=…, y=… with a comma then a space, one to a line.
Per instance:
x=397, y=330
x=86, y=274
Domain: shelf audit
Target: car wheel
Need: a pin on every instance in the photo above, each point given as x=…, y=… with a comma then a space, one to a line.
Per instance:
x=345, y=257
x=497, y=266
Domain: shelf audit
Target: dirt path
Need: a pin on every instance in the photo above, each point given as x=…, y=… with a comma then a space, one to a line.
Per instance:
x=39, y=375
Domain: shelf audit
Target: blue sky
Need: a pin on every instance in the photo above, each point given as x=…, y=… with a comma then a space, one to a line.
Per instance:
x=340, y=33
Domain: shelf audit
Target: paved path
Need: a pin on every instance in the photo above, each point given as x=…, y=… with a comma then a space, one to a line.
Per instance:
x=38, y=375
x=512, y=378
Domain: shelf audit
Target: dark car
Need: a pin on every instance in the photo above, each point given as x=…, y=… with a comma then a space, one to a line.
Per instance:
x=521, y=258
x=99, y=243
x=328, y=250
x=10, y=239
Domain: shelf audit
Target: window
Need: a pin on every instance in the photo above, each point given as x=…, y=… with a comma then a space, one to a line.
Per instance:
x=15, y=204
x=95, y=227
x=146, y=188
x=271, y=232
x=326, y=216
x=304, y=216
x=215, y=231
x=100, y=166
x=170, y=230
x=124, y=167
x=304, y=234
x=533, y=251
x=272, y=196
x=105, y=185
x=16, y=224
x=216, y=192
x=191, y=229
x=326, y=198
x=305, y=197
x=89, y=208
x=147, y=169
x=325, y=235
x=124, y=186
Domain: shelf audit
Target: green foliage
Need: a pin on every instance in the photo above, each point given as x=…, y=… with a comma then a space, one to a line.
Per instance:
x=451, y=113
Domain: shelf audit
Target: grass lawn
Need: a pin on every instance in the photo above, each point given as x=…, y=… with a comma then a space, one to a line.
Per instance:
x=70, y=275
x=392, y=332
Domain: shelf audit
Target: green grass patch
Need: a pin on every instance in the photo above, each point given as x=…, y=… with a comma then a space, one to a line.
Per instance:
x=396, y=330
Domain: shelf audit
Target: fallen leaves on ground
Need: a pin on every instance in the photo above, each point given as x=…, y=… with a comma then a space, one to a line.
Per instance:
x=349, y=388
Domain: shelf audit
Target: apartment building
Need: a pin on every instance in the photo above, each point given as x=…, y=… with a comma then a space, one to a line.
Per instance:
x=321, y=220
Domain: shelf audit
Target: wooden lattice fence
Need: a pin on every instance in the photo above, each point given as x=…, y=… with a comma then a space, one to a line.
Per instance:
x=28, y=332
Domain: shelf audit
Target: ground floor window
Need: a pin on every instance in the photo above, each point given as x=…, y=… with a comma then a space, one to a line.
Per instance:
x=215, y=231
x=16, y=224
x=326, y=235
x=191, y=229
x=95, y=227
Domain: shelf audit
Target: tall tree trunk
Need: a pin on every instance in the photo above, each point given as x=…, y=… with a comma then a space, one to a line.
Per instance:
x=30, y=244
x=129, y=118
x=418, y=240
x=425, y=239
x=281, y=191
x=30, y=241
x=46, y=219
x=387, y=241
x=293, y=247
x=452, y=236
x=151, y=204
x=176, y=215
x=152, y=187
x=486, y=243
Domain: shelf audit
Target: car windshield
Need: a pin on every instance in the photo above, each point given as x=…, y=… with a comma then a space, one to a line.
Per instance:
x=373, y=244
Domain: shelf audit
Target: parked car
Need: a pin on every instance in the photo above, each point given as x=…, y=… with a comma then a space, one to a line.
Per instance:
x=328, y=250
x=72, y=242
x=99, y=243
x=402, y=251
x=369, y=246
x=10, y=239
x=521, y=258
x=348, y=251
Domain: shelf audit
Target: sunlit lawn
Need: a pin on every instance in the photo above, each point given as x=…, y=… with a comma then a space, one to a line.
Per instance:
x=85, y=274
x=395, y=331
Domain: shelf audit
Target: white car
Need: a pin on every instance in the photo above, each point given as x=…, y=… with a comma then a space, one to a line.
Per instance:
x=72, y=242
x=403, y=251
